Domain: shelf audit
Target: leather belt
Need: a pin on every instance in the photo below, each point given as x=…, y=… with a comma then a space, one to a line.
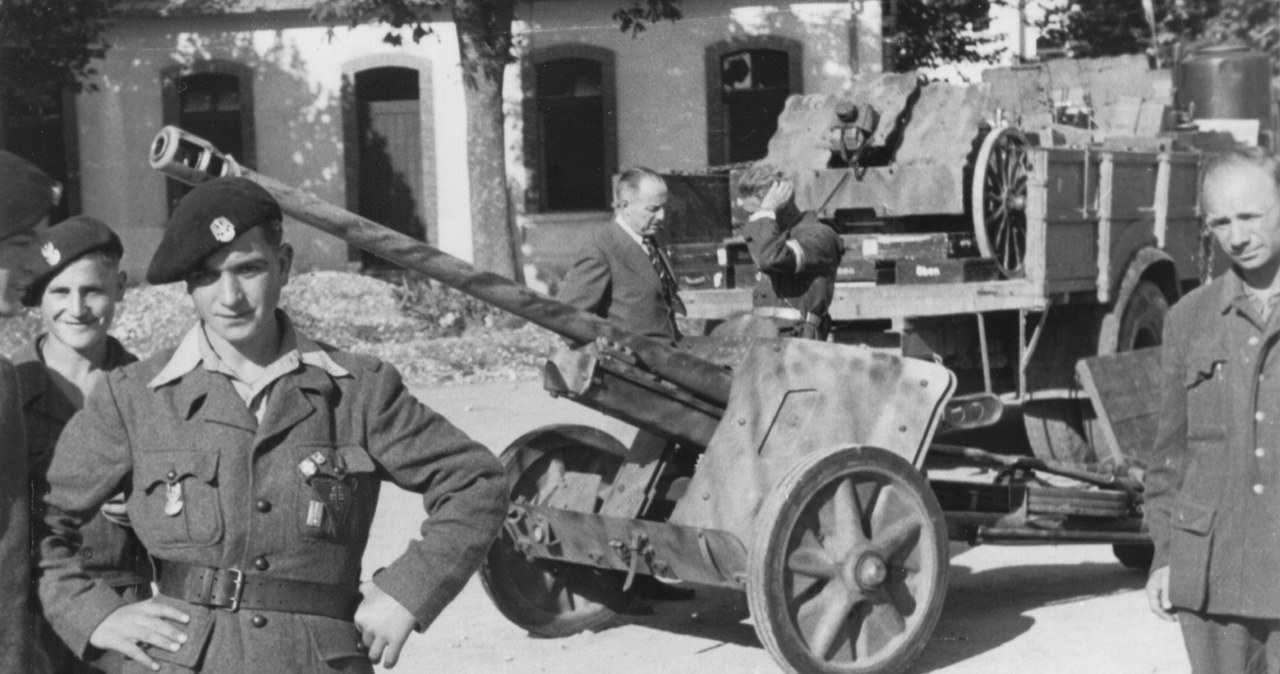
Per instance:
x=233, y=589
x=788, y=314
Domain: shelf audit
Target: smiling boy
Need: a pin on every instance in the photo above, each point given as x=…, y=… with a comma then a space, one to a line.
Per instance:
x=77, y=285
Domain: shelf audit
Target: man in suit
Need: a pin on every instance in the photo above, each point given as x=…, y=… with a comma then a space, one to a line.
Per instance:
x=620, y=273
x=1213, y=485
x=26, y=194
x=252, y=457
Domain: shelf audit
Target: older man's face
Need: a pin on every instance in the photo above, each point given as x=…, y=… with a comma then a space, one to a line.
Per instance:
x=1242, y=209
x=645, y=209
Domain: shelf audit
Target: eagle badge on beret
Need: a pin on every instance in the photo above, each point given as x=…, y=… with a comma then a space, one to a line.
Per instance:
x=50, y=253
x=222, y=229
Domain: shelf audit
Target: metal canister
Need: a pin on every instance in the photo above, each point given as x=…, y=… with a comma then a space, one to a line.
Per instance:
x=1226, y=82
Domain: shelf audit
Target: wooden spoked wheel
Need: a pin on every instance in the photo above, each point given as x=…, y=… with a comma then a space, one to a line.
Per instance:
x=849, y=565
x=551, y=599
x=999, y=199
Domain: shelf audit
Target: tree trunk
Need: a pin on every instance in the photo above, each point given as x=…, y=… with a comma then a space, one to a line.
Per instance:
x=484, y=42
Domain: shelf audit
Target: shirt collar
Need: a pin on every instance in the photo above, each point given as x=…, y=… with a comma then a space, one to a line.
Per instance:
x=630, y=232
x=194, y=350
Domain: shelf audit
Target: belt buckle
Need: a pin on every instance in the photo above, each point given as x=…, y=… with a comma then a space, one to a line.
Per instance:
x=237, y=589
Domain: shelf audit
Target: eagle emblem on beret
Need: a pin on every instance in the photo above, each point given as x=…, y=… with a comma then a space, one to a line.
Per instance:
x=222, y=229
x=50, y=253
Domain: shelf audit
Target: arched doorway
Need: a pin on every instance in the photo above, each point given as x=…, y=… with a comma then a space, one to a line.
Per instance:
x=389, y=169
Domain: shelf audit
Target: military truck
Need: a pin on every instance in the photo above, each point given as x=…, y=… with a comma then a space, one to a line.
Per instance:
x=1006, y=229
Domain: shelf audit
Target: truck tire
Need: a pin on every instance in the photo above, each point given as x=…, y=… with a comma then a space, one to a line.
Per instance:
x=1065, y=430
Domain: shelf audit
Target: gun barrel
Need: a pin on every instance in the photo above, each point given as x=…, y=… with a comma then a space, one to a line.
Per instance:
x=193, y=160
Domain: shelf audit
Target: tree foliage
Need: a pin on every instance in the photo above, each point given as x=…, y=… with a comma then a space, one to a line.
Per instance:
x=1111, y=27
x=47, y=47
x=927, y=33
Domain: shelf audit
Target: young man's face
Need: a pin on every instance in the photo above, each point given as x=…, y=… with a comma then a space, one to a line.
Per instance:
x=79, y=304
x=1242, y=209
x=644, y=209
x=238, y=290
x=16, y=267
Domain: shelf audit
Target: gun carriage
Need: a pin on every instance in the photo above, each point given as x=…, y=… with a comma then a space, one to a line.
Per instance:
x=794, y=470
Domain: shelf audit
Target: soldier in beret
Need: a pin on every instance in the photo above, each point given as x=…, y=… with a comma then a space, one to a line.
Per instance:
x=26, y=194
x=252, y=458
x=77, y=285
x=796, y=255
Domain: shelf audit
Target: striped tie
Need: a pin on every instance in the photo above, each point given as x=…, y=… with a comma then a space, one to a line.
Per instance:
x=670, y=291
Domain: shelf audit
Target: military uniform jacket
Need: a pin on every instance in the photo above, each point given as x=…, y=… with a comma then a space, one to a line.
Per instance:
x=798, y=264
x=17, y=624
x=1213, y=486
x=110, y=551
x=245, y=502
x=614, y=279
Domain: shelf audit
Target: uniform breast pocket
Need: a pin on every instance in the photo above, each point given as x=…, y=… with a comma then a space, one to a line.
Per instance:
x=336, y=491
x=1205, y=383
x=175, y=499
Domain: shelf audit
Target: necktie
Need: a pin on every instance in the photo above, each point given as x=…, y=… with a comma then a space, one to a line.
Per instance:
x=670, y=291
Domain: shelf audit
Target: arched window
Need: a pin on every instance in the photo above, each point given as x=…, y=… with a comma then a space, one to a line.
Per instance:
x=750, y=81
x=573, y=134
x=214, y=100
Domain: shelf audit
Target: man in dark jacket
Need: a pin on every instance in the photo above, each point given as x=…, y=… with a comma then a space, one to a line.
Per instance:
x=77, y=285
x=26, y=194
x=621, y=273
x=253, y=457
x=1213, y=488
x=796, y=255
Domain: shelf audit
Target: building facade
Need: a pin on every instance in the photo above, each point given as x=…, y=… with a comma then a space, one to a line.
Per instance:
x=380, y=129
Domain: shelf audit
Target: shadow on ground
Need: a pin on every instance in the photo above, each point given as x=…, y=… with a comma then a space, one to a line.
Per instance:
x=983, y=610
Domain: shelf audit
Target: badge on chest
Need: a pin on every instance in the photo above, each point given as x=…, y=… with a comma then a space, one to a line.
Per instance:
x=332, y=491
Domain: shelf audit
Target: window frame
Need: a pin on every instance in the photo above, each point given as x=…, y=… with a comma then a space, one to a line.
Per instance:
x=717, y=111
x=534, y=159
x=172, y=112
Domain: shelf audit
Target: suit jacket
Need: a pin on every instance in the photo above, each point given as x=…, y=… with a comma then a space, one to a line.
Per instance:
x=245, y=500
x=17, y=623
x=614, y=279
x=1213, y=484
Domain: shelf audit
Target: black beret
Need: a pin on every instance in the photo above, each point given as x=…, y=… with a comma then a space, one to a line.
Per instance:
x=206, y=219
x=65, y=243
x=26, y=194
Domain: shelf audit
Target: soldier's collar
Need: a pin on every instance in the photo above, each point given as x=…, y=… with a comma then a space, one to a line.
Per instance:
x=194, y=351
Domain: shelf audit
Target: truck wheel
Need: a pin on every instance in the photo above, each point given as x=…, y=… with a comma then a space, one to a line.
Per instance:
x=1142, y=323
x=1065, y=430
x=1059, y=430
x=552, y=599
x=998, y=199
x=848, y=567
x=1137, y=556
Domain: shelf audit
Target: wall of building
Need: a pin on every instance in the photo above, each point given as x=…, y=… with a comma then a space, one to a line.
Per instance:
x=661, y=85
x=298, y=119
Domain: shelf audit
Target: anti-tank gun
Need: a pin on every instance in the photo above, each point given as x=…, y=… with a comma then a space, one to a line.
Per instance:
x=788, y=469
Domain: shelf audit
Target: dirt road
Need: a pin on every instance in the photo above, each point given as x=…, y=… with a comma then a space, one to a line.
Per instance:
x=1024, y=610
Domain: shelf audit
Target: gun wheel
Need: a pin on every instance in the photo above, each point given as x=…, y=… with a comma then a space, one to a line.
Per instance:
x=551, y=599
x=999, y=199
x=849, y=564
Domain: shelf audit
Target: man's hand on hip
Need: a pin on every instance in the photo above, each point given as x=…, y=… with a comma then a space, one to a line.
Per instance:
x=384, y=624
x=133, y=628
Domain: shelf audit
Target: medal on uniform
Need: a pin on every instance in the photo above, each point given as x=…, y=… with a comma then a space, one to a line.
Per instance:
x=315, y=514
x=173, y=499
